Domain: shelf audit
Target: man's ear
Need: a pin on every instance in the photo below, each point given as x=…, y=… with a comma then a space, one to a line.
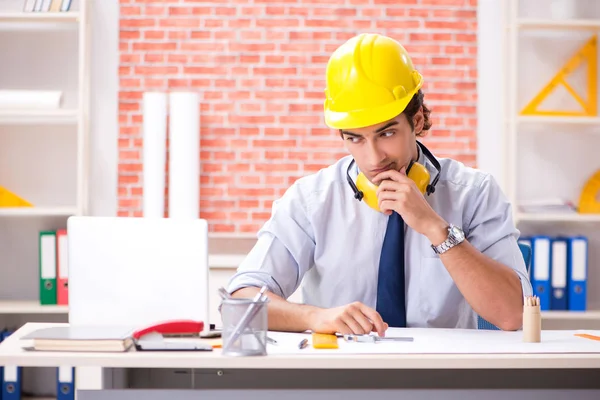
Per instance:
x=419, y=121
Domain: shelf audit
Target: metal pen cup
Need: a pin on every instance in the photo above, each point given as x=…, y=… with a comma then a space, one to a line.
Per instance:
x=245, y=327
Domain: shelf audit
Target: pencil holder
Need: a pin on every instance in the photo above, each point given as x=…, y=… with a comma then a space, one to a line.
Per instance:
x=532, y=320
x=245, y=326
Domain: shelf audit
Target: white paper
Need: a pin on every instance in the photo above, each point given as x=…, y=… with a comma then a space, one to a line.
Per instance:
x=48, y=248
x=154, y=153
x=63, y=257
x=65, y=374
x=446, y=341
x=184, y=155
x=10, y=373
x=38, y=99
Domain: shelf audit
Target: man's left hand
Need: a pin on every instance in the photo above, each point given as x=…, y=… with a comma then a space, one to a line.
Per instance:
x=397, y=192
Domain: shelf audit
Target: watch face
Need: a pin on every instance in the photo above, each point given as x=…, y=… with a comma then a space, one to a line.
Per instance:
x=457, y=232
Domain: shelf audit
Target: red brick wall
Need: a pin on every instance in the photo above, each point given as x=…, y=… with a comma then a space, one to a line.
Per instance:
x=259, y=68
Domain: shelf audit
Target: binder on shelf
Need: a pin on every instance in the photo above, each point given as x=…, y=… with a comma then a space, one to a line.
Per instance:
x=47, y=260
x=558, y=268
x=541, y=249
x=577, y=265
x=527, y=241
x=55, y=5
x=65, y=389
x=11, y=378
x=62, y=266
x=66, y=5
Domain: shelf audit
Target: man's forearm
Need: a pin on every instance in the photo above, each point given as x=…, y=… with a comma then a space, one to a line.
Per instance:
x=491, y=288
x=282, y=314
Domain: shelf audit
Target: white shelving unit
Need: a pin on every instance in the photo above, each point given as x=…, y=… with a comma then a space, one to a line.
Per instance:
x=43, y=156
x=16, y=16
x=43, y=152
x=547, y=156
x=30, y=307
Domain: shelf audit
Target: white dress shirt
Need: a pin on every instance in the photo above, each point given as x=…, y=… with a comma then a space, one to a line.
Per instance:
x=320, y=236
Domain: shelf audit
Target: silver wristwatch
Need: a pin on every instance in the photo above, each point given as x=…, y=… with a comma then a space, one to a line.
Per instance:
x=455, y=236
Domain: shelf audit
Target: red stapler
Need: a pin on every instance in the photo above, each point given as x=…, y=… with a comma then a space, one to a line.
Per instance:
x=152, y=337
x=172, y=327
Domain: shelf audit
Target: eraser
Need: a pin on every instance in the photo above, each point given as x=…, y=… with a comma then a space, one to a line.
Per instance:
x=324, y=341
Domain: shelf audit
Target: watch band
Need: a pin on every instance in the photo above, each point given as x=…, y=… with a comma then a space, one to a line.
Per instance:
x=455, y=236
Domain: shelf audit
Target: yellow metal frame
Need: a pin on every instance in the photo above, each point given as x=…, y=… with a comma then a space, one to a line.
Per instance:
x=588, y=201
x=590, y=108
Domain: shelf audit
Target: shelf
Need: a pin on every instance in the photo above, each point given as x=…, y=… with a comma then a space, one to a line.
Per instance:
x=532, y=23
x=38, y=116
x=571, y=315
x=30, y=307
x=63, y=17
x=568, y=217
x=37, y=211
x=559, y=120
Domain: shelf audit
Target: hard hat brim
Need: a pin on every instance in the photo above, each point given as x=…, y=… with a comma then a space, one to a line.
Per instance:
x=367, y=117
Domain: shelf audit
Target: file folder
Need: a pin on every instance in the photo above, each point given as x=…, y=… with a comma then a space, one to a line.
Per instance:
x=62, y=267
x=558, y=257
x=577, y=266
x=11, y=378
x=47, y=259
x=527, y=241
x=65, y=389
x=541, y=249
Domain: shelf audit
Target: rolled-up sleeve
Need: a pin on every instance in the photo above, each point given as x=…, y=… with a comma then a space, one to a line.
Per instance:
x=492, y=230
x=284, y=250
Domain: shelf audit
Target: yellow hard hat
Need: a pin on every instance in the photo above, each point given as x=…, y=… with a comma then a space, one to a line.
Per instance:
x=369, y=79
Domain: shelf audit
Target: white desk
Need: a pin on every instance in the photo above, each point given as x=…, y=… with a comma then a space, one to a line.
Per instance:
x=212, y=370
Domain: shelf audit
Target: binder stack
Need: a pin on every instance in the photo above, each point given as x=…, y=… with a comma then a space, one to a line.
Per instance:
x=558, y=272
x=53, y=267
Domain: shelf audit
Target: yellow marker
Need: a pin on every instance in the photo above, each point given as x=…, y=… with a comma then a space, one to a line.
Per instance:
x=9, y=199
x=324, y=341
x=588, y=201
x=587, y=53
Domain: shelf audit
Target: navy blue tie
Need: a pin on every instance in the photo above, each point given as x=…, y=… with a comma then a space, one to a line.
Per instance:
x=391, y=302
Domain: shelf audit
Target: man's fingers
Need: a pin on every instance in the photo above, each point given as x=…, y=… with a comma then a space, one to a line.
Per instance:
x=386, y=206
x=343, y=328
x=387, y=185
x=391, y=174
x=380, y=326
x=362, y=319
x=353, y=324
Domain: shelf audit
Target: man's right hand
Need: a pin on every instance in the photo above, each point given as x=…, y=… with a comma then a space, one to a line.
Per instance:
x=354, y=318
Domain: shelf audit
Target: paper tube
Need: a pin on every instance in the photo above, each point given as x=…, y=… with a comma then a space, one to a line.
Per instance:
x=184, y=155
x=154, y=153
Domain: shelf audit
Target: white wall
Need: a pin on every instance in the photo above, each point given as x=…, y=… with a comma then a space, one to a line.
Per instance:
x=104, y=114
x=105, y=86
x=491, y=88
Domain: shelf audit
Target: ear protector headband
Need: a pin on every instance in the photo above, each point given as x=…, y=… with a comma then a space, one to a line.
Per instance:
x=367, y=191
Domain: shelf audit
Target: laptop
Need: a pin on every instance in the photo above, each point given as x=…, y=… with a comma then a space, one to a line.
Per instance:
x=130, y=271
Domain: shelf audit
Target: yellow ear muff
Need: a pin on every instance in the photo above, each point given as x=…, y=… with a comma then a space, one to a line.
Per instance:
x=369, y=191
x=418, y=173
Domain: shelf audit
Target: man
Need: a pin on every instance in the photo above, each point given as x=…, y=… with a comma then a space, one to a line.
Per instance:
x=396, y=257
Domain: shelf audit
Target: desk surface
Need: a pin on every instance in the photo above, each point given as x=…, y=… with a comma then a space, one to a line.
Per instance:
x=11, y=353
